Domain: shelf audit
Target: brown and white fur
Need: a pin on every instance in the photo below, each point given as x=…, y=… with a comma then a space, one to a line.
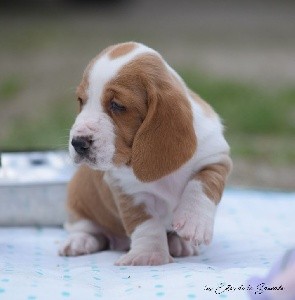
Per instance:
x=153, y=161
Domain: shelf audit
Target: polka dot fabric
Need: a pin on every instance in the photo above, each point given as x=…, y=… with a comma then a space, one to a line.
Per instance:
x=252, y=230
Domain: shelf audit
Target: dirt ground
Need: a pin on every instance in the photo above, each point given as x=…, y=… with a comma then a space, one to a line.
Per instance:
x=247, y=173
x=251, y=41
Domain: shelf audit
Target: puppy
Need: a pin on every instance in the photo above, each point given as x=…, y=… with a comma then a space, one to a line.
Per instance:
x=153, y=161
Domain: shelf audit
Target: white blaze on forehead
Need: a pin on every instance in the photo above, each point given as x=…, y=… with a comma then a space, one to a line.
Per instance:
x=106, y=68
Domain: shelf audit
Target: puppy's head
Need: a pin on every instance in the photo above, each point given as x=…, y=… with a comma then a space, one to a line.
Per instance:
x=133, y=111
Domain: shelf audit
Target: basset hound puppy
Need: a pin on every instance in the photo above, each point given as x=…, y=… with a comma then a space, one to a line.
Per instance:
x=152, y=160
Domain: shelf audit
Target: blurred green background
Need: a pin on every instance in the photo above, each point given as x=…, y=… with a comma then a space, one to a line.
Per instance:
x=239, y=56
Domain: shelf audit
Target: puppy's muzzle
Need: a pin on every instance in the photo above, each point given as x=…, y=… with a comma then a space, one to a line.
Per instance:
x=81, y=144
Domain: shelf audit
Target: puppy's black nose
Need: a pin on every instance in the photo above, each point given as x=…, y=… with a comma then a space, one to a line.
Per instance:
x=81, y=144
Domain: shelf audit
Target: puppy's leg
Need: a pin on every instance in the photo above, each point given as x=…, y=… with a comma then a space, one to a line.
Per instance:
x=148, y=235
x=148, y=246
x=85, y=238
x=93, y=214
x=178, y=247
x=193, y=219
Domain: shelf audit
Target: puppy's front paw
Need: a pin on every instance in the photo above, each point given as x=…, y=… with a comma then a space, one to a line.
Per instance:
x=193, y=225
x=78, y=244
x=144, y=258
x=193, y=219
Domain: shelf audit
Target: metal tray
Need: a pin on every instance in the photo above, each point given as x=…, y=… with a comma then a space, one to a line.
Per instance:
x=33, y=187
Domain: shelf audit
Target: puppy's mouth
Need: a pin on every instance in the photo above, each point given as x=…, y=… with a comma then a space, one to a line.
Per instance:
x=89, y=155
x=84, y=159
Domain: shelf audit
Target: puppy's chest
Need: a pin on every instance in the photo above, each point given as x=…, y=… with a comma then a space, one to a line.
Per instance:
x=168, y=189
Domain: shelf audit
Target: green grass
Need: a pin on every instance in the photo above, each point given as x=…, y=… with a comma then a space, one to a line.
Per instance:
x=245, y=108
x=10, y=87
x=260, y=124
x=49, y=131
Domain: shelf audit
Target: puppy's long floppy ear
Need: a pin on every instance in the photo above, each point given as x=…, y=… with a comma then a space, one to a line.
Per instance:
x=166, y=138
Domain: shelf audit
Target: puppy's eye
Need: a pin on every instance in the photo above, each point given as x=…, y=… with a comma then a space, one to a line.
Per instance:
x=116, y=107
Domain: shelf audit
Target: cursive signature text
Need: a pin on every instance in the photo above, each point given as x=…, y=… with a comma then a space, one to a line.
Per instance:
x=259, y=289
